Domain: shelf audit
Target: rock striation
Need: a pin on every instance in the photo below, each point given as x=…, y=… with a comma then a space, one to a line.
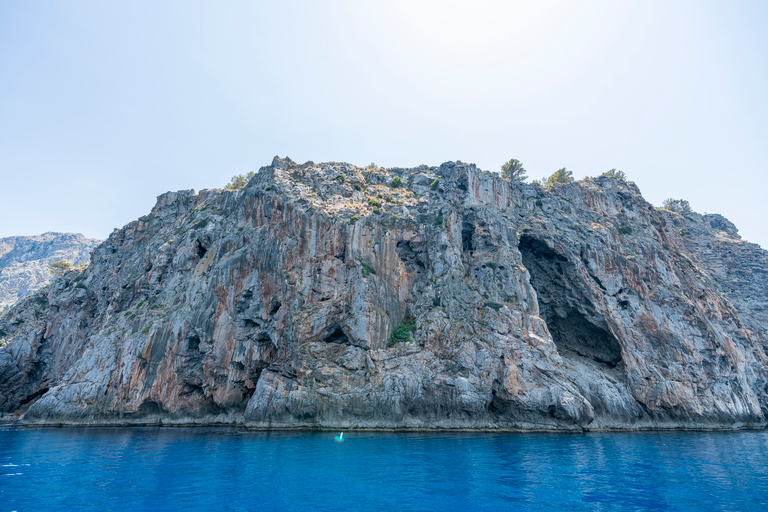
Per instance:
x=277, y=306
x=24, y=261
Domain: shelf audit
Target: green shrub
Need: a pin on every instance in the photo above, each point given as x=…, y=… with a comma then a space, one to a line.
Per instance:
x=366, y=268
x=340, y=177
x=80, y=286
x=373, y=202
x=560, y=176
x=240, y=180
x=402, y=333
x=436, y=302
x=491, y=265
x=613, y=173
x=439, y=221
x=354, y=218
x=434, y=184
x=397, y=182
x=147, y=328
x=58, y=268
x=539, y=203
x=493, y=305
x=625, y=230
x=358, y=187
x=678, y=206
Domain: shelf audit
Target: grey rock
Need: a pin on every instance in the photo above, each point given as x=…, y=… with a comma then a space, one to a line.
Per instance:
x=24, y=261
x=273, y=306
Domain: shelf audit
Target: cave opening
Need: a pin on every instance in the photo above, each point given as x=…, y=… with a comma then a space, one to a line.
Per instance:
x=576, y=328
x=251, y=324
x=193, y=342
x=200, y=250
x=343, y=255
x=263, y=337
x=467, y=232
x=34, y=396
x=574, y=334
x=409, y=256
x=336, y=336
x=149, y=408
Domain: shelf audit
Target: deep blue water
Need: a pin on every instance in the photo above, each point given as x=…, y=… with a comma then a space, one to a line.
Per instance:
x=101, y=469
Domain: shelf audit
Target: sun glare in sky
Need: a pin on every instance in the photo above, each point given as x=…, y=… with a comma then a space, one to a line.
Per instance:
x=108, y=105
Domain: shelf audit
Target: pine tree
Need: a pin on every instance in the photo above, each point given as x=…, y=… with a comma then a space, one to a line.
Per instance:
x=513, y=171
x=560, y=176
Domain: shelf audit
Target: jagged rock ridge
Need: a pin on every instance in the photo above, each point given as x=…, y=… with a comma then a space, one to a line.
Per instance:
x=24, y=261
x=576, y=307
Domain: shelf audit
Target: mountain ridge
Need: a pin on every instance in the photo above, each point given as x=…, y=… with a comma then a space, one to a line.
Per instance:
x=575, y=307
x=24, y=261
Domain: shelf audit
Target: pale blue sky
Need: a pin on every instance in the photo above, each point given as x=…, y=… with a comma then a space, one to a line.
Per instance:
x=105, y=105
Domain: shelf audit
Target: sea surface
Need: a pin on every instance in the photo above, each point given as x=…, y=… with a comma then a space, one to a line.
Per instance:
x=207, y=469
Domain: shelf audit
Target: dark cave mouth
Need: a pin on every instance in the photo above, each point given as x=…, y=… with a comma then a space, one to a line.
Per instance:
x=574, y=334
x=336, y=335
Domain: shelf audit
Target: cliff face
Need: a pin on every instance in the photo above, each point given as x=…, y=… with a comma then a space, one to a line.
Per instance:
x=272, y=306
x=24, y=261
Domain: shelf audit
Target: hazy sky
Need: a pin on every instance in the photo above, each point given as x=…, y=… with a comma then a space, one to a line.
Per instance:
x=105, y=105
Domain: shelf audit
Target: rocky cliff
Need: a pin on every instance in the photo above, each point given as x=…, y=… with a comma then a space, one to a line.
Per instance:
x=24, y=261
x=281, y=305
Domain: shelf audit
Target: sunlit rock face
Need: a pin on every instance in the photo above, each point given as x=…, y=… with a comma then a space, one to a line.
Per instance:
x=24, y=261
x=274, y=306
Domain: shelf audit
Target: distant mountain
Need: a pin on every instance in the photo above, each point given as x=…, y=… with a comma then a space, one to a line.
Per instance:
x=24, y=261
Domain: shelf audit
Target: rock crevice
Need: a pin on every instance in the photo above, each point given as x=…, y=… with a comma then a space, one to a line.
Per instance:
x=319, y=295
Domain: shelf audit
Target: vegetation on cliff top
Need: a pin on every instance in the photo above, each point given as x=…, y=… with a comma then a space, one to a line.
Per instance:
x=59, y=267
x=677, y=205
x=354, y=193
x=240, y=180
x=560, y=176
x=613, y=173
x=513, y=171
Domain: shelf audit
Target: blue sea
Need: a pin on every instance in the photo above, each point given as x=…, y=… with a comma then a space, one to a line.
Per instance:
x=206, y=469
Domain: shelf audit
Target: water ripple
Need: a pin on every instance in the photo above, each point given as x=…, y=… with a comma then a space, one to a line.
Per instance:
x=226, y=469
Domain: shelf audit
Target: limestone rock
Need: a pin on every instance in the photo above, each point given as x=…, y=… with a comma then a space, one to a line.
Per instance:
x=24, y=261
x=273, y=306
